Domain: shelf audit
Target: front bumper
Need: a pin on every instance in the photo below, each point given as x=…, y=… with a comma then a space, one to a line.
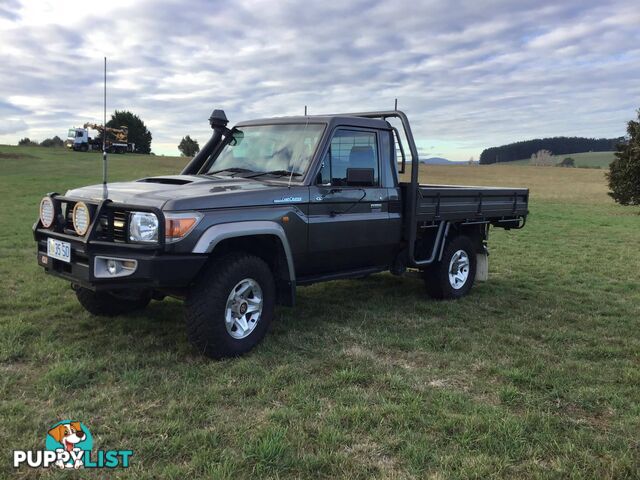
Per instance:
x=154, y=270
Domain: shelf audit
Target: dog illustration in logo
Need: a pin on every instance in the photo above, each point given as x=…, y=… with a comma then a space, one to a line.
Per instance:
x=68, y=434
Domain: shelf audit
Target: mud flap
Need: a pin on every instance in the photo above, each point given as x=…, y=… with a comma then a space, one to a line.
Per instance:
x=482, y=267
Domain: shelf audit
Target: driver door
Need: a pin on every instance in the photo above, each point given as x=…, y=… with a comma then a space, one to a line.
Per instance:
x=348, y=224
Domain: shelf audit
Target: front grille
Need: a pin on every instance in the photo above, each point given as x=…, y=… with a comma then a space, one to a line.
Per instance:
x=113, y=226
x=120, y=226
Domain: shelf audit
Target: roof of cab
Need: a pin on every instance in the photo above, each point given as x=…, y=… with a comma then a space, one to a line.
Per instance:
x=331, y=120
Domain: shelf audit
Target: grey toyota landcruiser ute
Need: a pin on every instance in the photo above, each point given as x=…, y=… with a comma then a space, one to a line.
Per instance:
x=265, y=207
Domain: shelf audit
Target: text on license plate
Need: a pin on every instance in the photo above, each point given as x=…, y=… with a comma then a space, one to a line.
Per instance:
x=59, y=250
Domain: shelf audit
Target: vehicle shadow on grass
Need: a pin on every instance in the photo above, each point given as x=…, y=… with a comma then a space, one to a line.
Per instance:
x=157, y=328
x=377, y=301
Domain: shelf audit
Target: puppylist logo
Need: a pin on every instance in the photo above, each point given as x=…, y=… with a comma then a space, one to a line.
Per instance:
x=69, y=444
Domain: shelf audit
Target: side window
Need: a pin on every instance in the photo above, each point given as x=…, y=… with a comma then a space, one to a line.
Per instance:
x=349, y=149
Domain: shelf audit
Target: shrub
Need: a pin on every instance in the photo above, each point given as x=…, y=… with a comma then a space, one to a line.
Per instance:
x=624, y=171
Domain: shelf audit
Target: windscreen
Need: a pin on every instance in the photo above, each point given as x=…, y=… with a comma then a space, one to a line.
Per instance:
x=270, y=148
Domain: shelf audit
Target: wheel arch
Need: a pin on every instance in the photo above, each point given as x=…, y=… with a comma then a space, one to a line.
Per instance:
x=264, y=239
x=478, y=233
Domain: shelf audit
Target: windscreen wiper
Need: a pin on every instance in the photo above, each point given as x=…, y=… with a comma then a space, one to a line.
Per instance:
x=277, y=173
x=232, y=170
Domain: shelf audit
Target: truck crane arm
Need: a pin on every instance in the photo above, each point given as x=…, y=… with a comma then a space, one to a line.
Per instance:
x=120, y=134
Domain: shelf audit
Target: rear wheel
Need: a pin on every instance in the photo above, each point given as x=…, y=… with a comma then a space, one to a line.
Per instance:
x=453, y=276
x=109, y=304
x=229, y=310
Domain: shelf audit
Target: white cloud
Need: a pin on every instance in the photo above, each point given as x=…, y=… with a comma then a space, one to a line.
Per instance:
x=469, y=77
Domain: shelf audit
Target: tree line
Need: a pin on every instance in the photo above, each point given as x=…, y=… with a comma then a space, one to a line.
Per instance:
x=557, y=145
x=47, y=142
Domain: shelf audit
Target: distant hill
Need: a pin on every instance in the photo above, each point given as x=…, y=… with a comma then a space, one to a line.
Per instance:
x=559, y=146
x=437, y=161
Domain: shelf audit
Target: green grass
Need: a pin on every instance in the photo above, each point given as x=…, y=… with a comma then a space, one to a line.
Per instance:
x=534, y=375
x=582, y=160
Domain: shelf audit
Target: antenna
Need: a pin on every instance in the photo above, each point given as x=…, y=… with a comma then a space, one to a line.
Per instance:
x=396, y=106
x=104, y=133
x=305, y=110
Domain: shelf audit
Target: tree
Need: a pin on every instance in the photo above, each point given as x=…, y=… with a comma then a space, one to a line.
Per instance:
x=27, y=142
x=624, y=171
x=567, y=162
x=542, y=158
x=52, y=142
x=188, y=146
x=138, y=132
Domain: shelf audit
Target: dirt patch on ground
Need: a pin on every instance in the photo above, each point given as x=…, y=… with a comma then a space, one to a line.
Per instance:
x=15, y=156
x=389, y=359
x=369, y=453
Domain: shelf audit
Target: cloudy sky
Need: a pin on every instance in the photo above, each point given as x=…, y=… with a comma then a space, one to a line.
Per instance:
x=469, y=74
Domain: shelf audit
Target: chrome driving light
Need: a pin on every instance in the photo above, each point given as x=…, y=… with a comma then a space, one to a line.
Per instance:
x=47, y=212
x=81, y=218
x=143, y=227
x=109, y=267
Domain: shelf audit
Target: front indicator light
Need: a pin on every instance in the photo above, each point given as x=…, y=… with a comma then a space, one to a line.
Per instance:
x=179, y=225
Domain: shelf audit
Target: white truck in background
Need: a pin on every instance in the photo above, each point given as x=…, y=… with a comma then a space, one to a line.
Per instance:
x=80, y=140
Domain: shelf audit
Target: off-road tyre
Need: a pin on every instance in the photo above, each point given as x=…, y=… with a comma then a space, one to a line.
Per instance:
x=107, y=304
x=436, y=276
x=206, y=305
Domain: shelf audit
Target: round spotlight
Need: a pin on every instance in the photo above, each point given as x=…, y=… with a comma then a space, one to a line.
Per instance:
x=47, y=212
x=81, y=218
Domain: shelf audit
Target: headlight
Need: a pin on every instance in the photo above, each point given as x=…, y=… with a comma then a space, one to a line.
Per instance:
x=81, y=218
x=178, y=225
x=143, y=227
x=47, y=212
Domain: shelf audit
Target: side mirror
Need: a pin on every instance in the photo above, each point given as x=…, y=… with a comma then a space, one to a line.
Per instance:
x=360, y=176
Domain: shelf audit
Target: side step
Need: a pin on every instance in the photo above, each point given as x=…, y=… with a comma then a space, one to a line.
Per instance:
x=362, y=272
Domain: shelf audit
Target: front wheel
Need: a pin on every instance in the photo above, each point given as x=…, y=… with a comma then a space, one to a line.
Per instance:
x=109, y=304
x=230, y=308
x=452, y=277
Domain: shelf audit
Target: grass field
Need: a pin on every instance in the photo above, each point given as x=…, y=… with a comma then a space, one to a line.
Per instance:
x=584, y=160
x=534, y=375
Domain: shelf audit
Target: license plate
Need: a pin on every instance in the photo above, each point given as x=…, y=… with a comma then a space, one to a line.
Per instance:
x=59, y=250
